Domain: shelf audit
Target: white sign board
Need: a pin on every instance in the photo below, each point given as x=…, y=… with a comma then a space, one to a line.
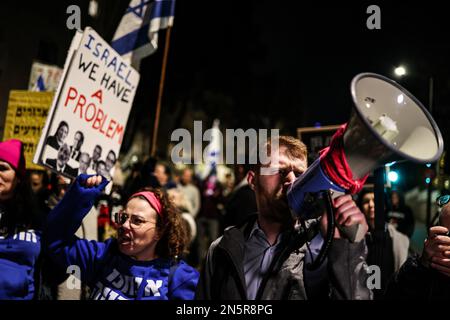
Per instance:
x=86, y=124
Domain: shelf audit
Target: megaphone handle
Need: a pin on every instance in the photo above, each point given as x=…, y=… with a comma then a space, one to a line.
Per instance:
x=354, y=233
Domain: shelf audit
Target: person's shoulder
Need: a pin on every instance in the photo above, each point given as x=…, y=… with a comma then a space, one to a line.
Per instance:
x=183, y=273
x=185, y=268
x=215, y=243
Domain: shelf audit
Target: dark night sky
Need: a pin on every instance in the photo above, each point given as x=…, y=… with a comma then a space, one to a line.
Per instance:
x=293, y=62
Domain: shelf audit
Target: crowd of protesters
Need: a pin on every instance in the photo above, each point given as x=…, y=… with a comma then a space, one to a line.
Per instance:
x=209, y=238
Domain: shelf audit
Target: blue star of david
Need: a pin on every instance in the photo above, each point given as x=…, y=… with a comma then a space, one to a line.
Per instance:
x=139, y=10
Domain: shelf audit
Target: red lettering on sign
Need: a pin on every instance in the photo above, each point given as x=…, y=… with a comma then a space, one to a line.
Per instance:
x=98, y=94
x=92, y=107
x=81, y=102
x=69, y=96
x=91, y=112
x=110, y=128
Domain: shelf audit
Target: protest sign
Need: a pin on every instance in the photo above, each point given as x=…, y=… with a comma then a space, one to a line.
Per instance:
x=86, y=124
x=25, y=119
x=316, y=138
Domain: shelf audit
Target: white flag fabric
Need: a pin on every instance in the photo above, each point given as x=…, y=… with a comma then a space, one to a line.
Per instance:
x=213, y=150
x=137, y=34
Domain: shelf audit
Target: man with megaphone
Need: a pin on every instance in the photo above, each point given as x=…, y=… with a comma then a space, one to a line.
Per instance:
x=265, y=258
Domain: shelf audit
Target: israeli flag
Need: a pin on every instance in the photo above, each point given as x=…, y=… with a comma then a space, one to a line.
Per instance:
x=137, y=34
x=214, y=149
x=39, y=85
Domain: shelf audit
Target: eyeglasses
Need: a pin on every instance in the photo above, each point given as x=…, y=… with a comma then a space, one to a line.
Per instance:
x=135, y=221
x=443, y=200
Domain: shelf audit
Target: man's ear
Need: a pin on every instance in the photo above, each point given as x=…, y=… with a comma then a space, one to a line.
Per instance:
x=251, y=179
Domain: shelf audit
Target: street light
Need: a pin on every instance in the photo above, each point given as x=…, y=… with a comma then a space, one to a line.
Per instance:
x=393, y=176
x=400, y=71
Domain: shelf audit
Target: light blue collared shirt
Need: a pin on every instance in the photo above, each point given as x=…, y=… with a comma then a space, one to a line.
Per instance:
x=258, y=255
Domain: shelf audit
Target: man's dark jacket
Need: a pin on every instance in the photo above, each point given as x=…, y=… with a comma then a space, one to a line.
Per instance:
x=222, y=277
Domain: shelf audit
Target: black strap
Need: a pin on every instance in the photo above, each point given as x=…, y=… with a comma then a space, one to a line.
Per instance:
x=295, y=240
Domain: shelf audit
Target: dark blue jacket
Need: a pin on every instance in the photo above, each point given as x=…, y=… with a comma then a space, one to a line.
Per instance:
x=18, y=255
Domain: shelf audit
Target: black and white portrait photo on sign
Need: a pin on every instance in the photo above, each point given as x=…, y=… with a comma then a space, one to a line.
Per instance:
x=55, y=141
x=75, y=149
x=60, y=163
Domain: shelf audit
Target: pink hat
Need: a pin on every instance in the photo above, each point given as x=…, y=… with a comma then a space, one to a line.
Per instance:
x=11, y=151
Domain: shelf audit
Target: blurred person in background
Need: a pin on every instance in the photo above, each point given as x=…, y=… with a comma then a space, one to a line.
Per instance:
x=187, y=187
x=40, y=186
x=401, y=216
x=427, y=277
x=395, y=245
x=241, y=202
x=163, y=175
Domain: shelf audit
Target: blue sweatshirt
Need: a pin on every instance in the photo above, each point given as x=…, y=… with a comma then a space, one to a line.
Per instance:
x=18, y=255
x=110, y=274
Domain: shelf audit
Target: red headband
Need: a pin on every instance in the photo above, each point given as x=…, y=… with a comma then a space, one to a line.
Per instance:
x=152, y=199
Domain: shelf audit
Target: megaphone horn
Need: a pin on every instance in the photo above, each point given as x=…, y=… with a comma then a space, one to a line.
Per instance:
x=388, y=124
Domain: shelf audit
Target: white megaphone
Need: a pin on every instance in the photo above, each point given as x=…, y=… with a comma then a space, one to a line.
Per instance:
x=388, y=124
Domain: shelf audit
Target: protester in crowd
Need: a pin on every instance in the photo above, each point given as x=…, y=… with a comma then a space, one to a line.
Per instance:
x=394, y=244
x=241, y=202
x=401, y=216
x=39, y=185
x=260, y=259
x=228, y=184
x=163, y=175
x=427, y=277
x=20, y=235
x=59, y=137
x=142, y=175
x=209, y=218
x=60, y=185
x=191, y=192
x=181, y=202
x=141, y=264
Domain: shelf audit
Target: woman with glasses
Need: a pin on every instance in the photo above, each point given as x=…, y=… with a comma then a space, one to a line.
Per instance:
x=142, y=264
x=427, y=276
